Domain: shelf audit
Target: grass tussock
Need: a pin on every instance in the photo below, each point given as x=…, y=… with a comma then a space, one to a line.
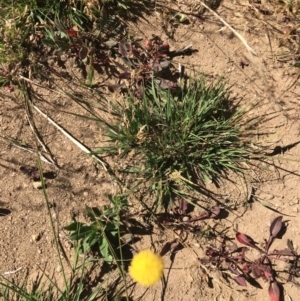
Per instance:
x=180, y=139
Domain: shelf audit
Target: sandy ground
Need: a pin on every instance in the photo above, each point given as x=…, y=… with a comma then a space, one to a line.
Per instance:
x=26, y=238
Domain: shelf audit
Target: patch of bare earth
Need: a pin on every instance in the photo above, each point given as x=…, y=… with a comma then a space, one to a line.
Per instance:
x=26, y=239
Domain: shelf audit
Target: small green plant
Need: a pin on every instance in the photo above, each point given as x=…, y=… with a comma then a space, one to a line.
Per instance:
x=75, y=286
x=23, y=22
x=104, y=231
x=24, y=25
x=180, y=139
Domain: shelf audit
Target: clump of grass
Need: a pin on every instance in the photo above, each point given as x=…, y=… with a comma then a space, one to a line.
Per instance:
x=180, y=140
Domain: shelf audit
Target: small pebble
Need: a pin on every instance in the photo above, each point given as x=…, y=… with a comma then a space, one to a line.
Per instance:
x=269, y=197
x=58, y=269
x=127, y=238
x=35, y=237
x=196, y=245
x=37, y=185
x=185, y=219
x=69, y=147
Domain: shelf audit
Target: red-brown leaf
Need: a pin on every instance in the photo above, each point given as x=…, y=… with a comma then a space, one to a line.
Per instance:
x=267, y=273
x=123, y=48
x=276, y=226
x=240, y=279
x=167, y=84
x=285, y=252
x=257, y=271
x=169, y=246
x=72, y=33
x=114, y=88
x=134, y=51
x=183, y=206
x=148, y=44
x=274, y=291
x=215, y=212
x=121, y=67
x=232, y=248
x=244, y=239
x=246, y=268
x=126, y=75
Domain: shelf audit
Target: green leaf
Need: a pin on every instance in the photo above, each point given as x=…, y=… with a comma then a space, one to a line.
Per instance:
x=105, y=251
x=93, y=213
x=74, y=226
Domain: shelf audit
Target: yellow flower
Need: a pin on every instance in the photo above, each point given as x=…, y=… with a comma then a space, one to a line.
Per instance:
x=146, y=268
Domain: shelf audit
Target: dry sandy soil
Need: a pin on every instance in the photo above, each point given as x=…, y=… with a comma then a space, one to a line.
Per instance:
x=25, y=234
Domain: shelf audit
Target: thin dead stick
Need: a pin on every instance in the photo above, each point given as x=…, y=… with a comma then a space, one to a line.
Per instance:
x=70, y=137
x=35, y=131
x=291, y=86
x=26, y=147
x=37, y=84
x=31, y=150
x=59, y=92
x=12, y=272
x=240, y=37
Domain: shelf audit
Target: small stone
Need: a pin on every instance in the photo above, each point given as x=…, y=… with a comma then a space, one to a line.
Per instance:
x=185, y=219
x=35, y=237
x=37, y=185
x=69, y=147
x=196, y=245
x=85, y=193
x=127, y=238
x=58, y=269
x=269, y=197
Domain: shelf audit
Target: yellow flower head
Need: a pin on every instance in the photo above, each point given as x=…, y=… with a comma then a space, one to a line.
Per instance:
x=146, y=268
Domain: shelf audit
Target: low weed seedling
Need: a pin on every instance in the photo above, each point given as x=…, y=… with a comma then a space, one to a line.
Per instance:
x=89, y=51
x=232, y=261
x=33, y=32
x=179, y=221
x=104, y=232
x=25, y=22
x=24, y=27
x=143, y=64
